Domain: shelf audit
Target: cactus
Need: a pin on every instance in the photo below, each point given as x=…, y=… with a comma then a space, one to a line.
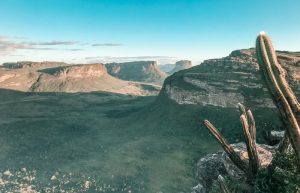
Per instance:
x=235, y=158
x=222, y=184
x=254, y=162
x=249, y=130
x=282, y=95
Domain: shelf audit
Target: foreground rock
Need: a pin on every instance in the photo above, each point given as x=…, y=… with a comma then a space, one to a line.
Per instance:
x=274, y=137
x=213, y=165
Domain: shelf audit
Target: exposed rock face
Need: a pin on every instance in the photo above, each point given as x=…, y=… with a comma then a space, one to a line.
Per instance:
x=60, y=77
x=141, y=71
x=225, y=82
x=213, y=165
x=86, y=78
x=208, y=170
x=29, y=64
x=274, y=137
x=181, y=65
x=78, y=71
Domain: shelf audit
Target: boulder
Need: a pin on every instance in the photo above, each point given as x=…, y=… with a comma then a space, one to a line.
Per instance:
x=213, y=165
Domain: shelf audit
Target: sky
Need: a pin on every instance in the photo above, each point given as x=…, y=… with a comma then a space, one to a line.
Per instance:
x=87, y=31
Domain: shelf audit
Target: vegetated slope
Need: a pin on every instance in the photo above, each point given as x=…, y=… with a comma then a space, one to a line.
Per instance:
x=212, y=90
x=60, y=77
x=141, y=71
x=181, y=65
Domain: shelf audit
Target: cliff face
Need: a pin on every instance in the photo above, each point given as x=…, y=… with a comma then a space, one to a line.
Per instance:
x=78, y=71
x=60, y=77
x=29, y=64
x=86, y=78
x=181, y=65
x=225, y=82
x=141, y=71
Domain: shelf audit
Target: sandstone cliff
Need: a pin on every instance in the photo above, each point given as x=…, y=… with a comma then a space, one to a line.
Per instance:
x=29, y=64
x=141, y=71
x=225, y=82
x=60, y=77
x=181, y=65
x=213, y=89
x=86, y=78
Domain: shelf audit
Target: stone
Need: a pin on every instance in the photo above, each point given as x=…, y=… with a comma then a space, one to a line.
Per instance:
x=227, y=81
x=212, y=165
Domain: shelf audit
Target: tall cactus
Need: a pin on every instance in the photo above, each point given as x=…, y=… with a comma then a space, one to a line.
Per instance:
x=282, y=94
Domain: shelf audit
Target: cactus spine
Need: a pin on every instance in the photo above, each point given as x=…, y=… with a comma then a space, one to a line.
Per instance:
x=282, y=95
x=235, y=158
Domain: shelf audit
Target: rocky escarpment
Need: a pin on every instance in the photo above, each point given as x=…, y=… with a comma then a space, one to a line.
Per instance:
x=225, y=82
x=86, y=78
x=181, y=65
x=29, y=64
x=60, y=77
x=77, y=71
x=141, y=71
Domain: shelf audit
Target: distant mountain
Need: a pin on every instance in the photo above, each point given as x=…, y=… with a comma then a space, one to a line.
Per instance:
x=60, y=77
x=181, y=65
x=29, y=64
x=141, y=71
x=166, y=67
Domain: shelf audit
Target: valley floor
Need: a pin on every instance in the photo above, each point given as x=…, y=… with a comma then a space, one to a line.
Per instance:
x=95, y=142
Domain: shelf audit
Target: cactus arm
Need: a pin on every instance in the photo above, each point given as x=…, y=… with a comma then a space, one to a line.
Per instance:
x=235, y=158
x=252, y=126
x=222, y=184
x=280, y=75
x=242, y=108
x=248, y=114
x=254, y=162
x=266, y=63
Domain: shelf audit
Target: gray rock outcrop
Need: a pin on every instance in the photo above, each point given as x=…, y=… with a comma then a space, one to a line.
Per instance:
x=213, y=165
x=225, y=82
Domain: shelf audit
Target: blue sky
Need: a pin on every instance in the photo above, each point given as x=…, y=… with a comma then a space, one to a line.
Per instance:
x=83, y=31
